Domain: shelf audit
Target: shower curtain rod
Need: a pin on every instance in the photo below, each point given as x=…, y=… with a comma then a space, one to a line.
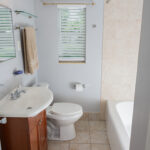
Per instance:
x=44, y=3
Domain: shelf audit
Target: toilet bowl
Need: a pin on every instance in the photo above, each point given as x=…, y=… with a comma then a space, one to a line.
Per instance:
x=63, y=116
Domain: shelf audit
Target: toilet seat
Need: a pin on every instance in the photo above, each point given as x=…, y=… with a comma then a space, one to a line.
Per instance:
x=65, y=109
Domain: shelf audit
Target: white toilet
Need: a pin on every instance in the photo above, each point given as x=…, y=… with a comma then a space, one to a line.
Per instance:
x=63, y=116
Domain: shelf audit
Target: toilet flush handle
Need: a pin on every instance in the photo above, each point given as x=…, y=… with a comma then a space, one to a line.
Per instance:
x=3, y=121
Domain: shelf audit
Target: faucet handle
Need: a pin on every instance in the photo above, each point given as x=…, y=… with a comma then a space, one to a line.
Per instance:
x=24, y=91
x=13, y=96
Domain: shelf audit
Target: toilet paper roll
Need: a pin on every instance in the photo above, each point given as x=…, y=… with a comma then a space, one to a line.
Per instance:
x=79, y=87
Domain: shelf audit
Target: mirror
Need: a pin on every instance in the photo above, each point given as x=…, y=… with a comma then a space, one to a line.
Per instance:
x=7, y=44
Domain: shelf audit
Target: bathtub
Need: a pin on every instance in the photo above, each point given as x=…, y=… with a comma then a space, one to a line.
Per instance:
x=119, y=121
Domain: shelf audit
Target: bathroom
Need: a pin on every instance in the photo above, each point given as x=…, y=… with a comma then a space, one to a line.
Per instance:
x=106, y=75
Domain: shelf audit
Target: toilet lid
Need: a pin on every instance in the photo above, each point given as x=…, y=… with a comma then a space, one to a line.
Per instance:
x=66, y=109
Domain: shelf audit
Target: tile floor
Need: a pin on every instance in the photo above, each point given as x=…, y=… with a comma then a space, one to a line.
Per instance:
x=91, y=135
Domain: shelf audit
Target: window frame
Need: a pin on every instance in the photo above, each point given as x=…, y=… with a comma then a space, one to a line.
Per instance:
x=59, y=32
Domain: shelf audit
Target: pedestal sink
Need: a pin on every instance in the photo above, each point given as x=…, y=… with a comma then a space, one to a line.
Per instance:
x=29, y=104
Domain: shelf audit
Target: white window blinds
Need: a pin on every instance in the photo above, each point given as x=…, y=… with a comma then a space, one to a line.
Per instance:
x=72, y=34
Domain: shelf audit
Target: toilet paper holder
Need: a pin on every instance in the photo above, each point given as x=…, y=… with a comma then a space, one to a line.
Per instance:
x=79, y=87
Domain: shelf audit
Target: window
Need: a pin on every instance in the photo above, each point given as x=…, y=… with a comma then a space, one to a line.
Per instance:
x=72, y=34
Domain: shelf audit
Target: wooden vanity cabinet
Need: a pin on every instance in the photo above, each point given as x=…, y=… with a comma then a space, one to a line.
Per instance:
x=24, y=133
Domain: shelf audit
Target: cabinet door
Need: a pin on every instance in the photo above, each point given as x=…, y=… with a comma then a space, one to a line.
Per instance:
x=34, y=144
x=14, y=134
x=38, y=132
x=42, y=132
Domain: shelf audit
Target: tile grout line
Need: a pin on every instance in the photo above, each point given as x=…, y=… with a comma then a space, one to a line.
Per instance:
x=69, y=146
x=89, y=133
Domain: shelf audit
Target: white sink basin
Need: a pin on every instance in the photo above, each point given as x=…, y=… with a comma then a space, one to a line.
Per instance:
x=29, y=104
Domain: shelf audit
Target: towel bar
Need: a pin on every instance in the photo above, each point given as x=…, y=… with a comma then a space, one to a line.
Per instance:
x=19, y=28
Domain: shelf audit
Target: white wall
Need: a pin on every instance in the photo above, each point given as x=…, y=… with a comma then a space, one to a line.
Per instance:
x=6, y=68
x=140, y=129
x=61, y=76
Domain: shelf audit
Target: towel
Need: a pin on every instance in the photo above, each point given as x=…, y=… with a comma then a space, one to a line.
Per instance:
x=31, y=63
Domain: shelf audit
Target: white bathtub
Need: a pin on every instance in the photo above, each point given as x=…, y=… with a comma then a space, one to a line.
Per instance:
x=119, y=122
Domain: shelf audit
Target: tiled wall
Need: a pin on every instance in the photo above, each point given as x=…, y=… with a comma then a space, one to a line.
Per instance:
x=121, y=37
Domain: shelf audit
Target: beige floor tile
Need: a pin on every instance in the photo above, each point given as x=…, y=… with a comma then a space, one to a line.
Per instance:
x=97, y=125
x=100, y=147
x=82, y=137
x=98, y=137
x=57, y=146
x=94, y=116
x=53, y=146
x=82, y=125
x=64, y=146
x=85, y=116
x=59, y=142
x=79, y=146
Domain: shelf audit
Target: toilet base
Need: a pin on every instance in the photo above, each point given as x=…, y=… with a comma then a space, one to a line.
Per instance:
x=66, y=133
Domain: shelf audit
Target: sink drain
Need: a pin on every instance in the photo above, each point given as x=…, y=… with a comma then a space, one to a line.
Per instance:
x=29, y=108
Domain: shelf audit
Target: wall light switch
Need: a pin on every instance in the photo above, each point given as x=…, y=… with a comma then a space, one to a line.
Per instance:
x=18, y=46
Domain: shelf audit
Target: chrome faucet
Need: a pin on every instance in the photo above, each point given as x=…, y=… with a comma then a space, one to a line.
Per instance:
x=17, y=93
